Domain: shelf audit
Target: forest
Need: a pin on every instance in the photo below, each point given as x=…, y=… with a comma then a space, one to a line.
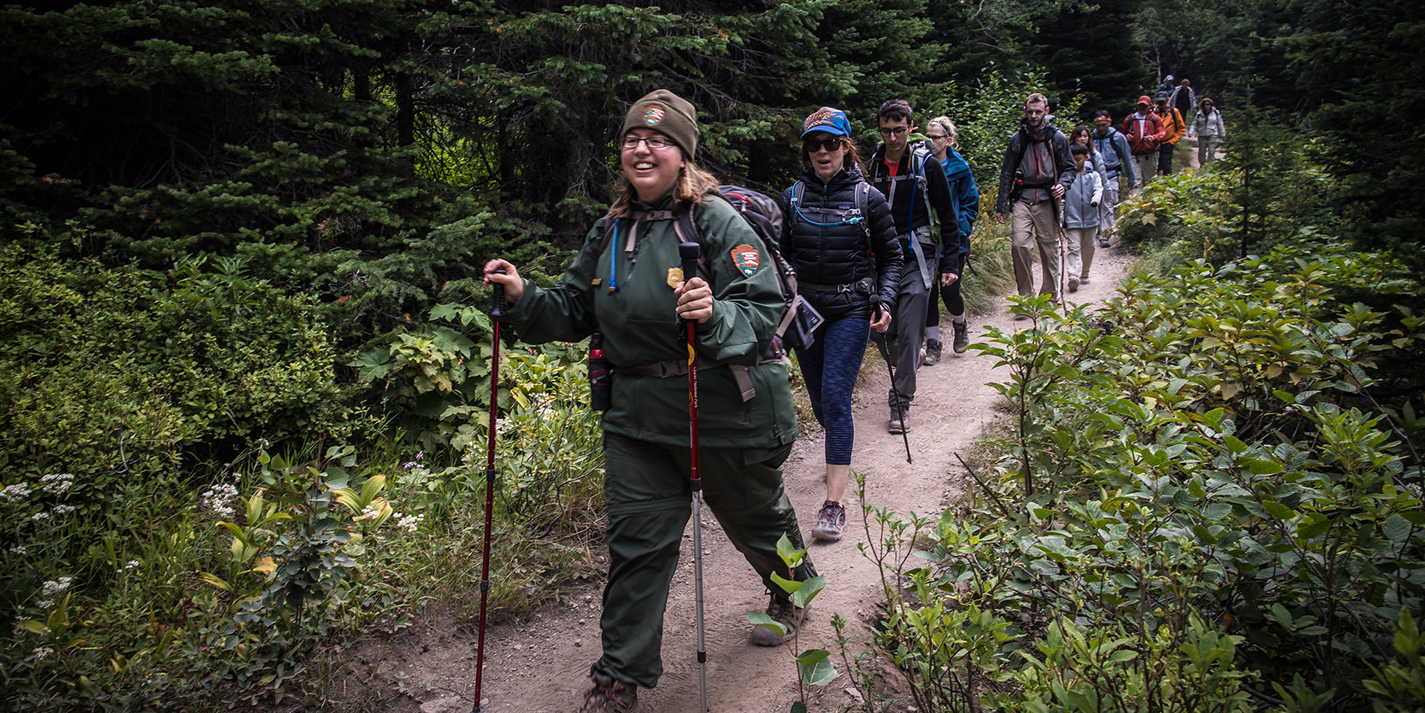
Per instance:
x=245, y=355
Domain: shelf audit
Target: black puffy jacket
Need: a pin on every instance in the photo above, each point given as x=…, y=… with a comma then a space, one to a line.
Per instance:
x=840, y=253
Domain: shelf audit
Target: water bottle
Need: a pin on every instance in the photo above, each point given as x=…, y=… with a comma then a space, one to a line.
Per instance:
x=600, y=385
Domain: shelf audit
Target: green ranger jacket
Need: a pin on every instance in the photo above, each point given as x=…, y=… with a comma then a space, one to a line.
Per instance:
x=632, y=303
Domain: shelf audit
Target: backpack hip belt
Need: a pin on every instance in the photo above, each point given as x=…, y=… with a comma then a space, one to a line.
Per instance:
x=679, y=367
x=862, y=286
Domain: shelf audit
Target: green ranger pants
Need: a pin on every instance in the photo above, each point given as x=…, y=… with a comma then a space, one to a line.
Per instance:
x=648, y=494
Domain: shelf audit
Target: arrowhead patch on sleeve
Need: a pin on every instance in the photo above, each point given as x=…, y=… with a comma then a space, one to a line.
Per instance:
x=746, y=258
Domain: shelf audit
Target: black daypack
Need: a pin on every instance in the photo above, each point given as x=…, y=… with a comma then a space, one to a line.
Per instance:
x=761, y=213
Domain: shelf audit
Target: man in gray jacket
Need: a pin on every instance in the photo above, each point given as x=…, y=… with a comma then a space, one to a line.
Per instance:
x=1035, y=171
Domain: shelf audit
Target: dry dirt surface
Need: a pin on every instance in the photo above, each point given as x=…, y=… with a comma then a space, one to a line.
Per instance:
x=541, y=664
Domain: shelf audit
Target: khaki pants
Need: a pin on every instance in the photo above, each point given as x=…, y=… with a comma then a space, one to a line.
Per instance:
x=1034, y=225
x=1146, y=166
x=1079, y=252
x=1207, y=149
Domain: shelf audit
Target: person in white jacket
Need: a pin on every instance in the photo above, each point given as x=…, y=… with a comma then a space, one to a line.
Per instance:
x=1084, y=192
x=1209, y=130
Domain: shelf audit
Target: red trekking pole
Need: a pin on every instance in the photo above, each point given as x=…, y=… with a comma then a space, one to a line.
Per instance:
x=497, y=312
x=689, y=253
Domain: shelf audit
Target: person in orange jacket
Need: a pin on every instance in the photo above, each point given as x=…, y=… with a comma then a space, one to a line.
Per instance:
x=1174, y=128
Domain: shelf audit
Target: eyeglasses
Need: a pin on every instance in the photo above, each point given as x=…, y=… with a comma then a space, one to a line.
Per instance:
x=654, y=142
x=828, y=145
x=896, y=131
x=937, y=137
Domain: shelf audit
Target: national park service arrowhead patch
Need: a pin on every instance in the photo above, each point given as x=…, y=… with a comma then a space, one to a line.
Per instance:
x=746, y=258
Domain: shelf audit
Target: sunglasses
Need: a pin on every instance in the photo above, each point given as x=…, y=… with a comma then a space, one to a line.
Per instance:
x=829, y=145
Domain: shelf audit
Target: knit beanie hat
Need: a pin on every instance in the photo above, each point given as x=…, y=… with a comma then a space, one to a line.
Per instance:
x=668, y=114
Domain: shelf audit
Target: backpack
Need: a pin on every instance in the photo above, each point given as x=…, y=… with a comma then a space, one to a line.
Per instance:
x=861, y=214
x=919, y=153
x=794, y=329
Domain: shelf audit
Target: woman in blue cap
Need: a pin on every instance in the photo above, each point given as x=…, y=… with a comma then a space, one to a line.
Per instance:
x=834, y=223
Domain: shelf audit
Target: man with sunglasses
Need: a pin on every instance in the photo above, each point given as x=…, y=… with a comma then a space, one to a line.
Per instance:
x=915, y=186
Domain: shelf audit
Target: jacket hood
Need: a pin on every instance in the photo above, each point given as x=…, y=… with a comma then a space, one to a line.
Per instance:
x=955, y=164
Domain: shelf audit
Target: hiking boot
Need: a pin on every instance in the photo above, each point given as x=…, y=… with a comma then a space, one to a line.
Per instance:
x=829, y=523
x=900, y=420
x=1084, y=280
x=781, y=609
x=962, y=336
x=609, y=695
x=932, y=352
x=1073, y=284
x=1103, y=242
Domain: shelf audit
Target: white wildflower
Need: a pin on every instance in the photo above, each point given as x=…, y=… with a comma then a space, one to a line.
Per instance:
x=15, y=493
x=132, y=565
x=45, y=603
x=219, y=498
x=17, y=550
x=39, y=516
x=42, y=653
x=63, y=509
x=57, y=483
x=370, y=512
x=410, y=523
x=56, y=586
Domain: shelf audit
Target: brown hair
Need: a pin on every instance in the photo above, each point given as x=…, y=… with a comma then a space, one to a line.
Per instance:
x=950, y=130
x=693, y=186
x=1036, y=98
x=852, y=157
x=1080, y=129
x=895, y=109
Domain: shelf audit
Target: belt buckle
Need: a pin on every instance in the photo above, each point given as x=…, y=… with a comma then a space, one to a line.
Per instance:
x=847, y=287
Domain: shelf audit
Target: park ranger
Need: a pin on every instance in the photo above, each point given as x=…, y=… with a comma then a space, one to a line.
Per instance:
x=626, y=283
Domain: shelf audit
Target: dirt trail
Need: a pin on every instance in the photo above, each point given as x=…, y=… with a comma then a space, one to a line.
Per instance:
x=542, y=664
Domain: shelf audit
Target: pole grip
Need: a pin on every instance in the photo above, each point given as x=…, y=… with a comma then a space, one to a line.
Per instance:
x=497, y=310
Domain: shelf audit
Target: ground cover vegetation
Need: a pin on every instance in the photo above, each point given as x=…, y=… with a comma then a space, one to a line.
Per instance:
x=245, y=366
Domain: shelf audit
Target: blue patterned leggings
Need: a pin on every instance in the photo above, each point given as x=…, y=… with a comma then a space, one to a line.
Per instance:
x=830, y=368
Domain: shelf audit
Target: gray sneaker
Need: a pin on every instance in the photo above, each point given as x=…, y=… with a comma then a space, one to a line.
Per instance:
x=780, y=608
x=1103, y=242
x=609, y=695
x=962, y=336
x=932, y=352
x=829, y=523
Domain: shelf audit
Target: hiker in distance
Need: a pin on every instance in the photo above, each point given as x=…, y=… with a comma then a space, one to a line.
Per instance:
x=914, y=184
x=832, y=222
x=944, y=140
x=736, y=302
x=1036, y=169
x=1117, y=161
x=1145, y=132
x=1081, y=201
x=1184, y=99
x=1174, y=128
x=1210, y=131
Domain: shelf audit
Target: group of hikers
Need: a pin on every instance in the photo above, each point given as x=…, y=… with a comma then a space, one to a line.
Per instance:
x=860, y=236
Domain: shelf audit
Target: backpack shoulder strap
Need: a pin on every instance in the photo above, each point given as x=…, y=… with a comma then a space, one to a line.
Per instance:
x=687, y=230
x=863, y=204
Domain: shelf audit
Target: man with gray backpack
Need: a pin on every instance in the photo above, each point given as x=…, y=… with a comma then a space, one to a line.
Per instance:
x=1036, y=168
x=915, y=186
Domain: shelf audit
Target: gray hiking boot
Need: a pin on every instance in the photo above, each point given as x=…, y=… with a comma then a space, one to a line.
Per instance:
x=1103, y=242
x=609, y=695
x=900, y=420
x=829, y=523
x=781, y=609
x=962, y=336
x=932, y=352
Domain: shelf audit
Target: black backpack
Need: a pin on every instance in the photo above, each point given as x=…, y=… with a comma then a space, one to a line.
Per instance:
x=761, y=213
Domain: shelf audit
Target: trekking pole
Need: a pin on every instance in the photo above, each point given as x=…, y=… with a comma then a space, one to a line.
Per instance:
x=689, y=253
x=900, y=410
x=1063, y=256
x=497, y=313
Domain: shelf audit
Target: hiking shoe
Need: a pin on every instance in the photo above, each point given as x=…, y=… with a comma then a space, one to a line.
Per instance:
x=1073, y=284
x=962, y=336
x=781, y=609
x=1084, y=280
x=829, y=523
x=1103, y=242
x=900, y=420
x=932, y=352
x=609, y=695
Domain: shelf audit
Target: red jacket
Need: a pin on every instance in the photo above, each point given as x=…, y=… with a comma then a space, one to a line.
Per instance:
x=1149, y=139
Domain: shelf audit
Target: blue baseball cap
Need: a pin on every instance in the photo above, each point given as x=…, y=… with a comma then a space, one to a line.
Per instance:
x=829, y=120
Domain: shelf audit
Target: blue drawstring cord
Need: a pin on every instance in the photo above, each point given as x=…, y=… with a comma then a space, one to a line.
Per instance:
x=798, y=210
x=613, y=259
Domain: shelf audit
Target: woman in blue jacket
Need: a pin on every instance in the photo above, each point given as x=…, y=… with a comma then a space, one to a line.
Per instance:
x=833, y=222
x=944, y=139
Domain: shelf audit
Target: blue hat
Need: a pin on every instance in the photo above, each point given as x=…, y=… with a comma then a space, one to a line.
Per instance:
x=829, y=120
